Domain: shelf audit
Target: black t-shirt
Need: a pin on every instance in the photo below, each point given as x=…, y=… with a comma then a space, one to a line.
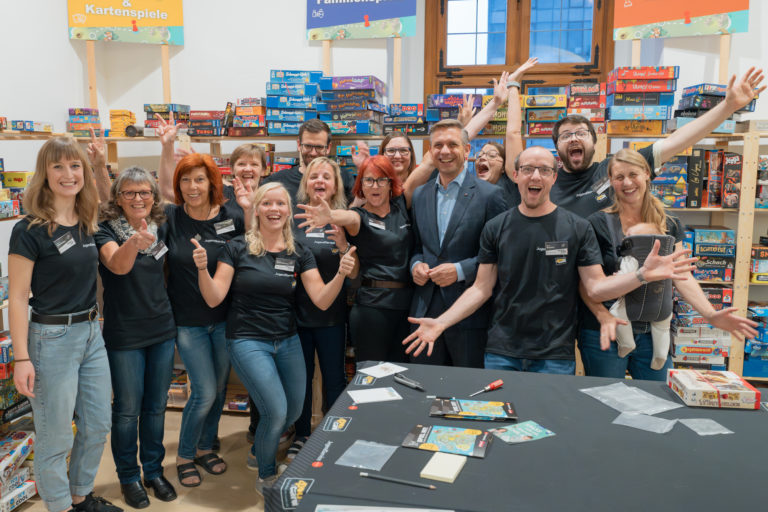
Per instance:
x=62, y=282
x=189, y=308
x=229, y=194
x=509, y=191
x=536, y=304
x=589, y=191
x=384, y=247
x=599, y=223
x=291, y=180
x=263, y=291
x=137, y=312
x=326, y=256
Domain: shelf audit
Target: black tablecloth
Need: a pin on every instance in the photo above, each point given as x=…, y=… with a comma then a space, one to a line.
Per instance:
x=590, y=464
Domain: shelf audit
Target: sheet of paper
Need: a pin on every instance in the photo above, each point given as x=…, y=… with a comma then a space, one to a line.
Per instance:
x=383, y=369
x=364, y=396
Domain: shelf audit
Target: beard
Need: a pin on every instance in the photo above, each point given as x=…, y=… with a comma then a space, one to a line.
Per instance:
x=578, y=163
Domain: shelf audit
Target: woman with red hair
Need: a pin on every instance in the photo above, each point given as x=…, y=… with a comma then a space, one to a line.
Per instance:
x=381, y=231
x=200, y=213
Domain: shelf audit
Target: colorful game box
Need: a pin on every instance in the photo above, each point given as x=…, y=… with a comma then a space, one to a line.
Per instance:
x=713, y=389
x=644, y=73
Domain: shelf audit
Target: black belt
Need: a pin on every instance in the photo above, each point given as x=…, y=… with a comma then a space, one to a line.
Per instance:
x=370, y=283
x=72, y=318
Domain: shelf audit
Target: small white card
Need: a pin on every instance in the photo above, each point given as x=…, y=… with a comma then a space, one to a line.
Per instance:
x=364, y=396
x=383, y=370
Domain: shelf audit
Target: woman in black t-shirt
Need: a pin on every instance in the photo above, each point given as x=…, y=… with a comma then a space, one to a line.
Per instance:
x=138, y=330
x=60, y=360
x=200, y=213
x=630, y=177
x=261, y=271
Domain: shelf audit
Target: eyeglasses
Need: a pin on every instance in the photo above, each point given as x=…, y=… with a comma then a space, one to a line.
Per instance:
x=316, y=148
x=579, y=134
x=394, y=151
x=487, y=154
x=131, y=194
x=544, y=171
x=382, y=182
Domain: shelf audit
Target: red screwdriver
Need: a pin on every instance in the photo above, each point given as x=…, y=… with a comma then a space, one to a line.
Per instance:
x=490, y=387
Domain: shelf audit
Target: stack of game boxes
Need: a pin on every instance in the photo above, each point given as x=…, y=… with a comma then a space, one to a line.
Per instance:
x=12, y=191
x=282, y=163
x=81, y=120
x=498, y=123
x=250, y=118
x=542, y=111
x=16, y=446
x=344, y=155
x=353, y=104
x=671, y=182
x=761, y=191
x=694, y=342
x=407, y=118
x=179, y=112
x=758, y=267
x=447, y=106
x=698, y=99
x=715, y=247
x=586, y=99
x=119, y=120
x=721, y=179
x=205, y=123
x=28, y=126
x=291, y=100
x=640, y=100
x=756, y=349
x=3, y=123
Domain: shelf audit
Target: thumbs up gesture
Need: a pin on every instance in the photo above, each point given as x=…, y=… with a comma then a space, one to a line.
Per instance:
x=347, y=262
x=199, y=255
x=143, y=239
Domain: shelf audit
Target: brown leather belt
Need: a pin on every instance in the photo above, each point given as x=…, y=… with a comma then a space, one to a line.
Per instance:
x=370, y=283
x=73, y=318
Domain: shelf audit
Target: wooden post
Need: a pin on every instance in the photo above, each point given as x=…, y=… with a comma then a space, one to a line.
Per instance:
x=166, y=63
x=93, y=93
x=397, y=69
x=327, y=58
x=636, y=50
x=725, y=55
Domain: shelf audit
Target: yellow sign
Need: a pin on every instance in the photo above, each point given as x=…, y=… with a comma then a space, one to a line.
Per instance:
x=131, y=21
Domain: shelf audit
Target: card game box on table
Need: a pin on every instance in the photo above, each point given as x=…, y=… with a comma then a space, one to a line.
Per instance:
x=713, y=389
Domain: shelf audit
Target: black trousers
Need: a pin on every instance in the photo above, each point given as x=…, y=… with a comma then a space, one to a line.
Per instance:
x=378, y=334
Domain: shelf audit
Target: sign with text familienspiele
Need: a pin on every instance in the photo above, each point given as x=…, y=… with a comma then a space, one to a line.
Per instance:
x=360, y=19
x=127, y=21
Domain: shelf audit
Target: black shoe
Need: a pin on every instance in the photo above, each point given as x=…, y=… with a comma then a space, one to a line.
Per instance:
x=216, y=445
x=164, y=491
x=97, y=504
x=134, y=494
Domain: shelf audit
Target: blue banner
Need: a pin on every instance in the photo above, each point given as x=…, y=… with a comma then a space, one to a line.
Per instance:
x=329, y=13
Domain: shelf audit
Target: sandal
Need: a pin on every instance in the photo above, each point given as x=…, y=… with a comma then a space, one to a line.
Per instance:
x=188, y=470
x=208, y=461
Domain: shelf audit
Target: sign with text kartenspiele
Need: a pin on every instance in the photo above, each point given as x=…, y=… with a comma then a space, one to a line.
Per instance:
x=127, y=21
x=360, y=19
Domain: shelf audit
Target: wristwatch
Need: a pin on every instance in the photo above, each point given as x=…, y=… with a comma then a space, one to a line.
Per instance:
x=640, y=276
x=345, y=251
x=513, y=83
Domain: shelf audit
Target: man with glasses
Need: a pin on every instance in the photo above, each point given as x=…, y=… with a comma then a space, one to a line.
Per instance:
x=584, y=188
x=534, y=256
x=314, y=141
x=448, y=216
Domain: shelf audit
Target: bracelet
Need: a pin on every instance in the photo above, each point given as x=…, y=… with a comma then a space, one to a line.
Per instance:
x=640, y=275
x=513, y=83
x=21, y=360
x=345, y=251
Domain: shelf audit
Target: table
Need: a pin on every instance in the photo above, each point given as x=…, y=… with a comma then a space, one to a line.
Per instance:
x=590, y=464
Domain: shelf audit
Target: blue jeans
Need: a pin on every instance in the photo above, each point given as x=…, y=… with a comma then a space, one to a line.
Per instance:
x=204, y=352
x=273, y=372
x=599, y=363
x=557, y=366
x=71, y=377
x=140, y=380
x=329, y=343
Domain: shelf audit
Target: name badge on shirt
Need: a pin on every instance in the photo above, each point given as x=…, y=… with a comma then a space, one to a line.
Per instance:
x=159, y=250
x=284, y=264
x=556, y=248
x=376, y=224
x=600, y=188
x=316, y=234
x=225, y=226
x=64, y=243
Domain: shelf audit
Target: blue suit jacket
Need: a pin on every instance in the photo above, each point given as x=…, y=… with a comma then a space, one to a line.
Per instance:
x=477, y=203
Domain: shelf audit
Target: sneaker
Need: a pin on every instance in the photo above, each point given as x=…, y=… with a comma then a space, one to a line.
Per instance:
x=95, y=504
x=295, y=447
x=252, y=462
x=265, y=483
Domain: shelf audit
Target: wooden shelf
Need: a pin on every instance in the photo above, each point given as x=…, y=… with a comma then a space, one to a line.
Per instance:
x=15, y=217
x=756, y=379
x=757, y=284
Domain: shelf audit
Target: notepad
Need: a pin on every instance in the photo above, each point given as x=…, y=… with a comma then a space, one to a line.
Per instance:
x=443, y=467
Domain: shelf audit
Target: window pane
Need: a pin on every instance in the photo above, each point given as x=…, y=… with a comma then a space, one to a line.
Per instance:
x=462, y=16
x=461, y=49
x=563, y=30
x=482, y=25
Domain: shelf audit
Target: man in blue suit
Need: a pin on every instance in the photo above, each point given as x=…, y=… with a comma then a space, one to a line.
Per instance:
x=449, y=214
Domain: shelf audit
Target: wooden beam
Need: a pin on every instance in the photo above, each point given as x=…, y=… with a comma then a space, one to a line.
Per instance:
x=93, y=92
x=397, y=69
x=166, y=60
x=636, y=51
x=327, y=58
x=725, y=56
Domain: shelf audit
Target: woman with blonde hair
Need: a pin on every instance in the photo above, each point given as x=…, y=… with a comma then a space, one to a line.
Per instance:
x=634, y=204
x=259, y=272
x=60, y=359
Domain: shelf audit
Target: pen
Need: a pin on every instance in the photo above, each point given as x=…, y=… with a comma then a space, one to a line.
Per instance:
x=405, y=381
x=398, y=481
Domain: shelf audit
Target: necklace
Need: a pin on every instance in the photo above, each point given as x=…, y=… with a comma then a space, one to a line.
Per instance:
x=207, y=215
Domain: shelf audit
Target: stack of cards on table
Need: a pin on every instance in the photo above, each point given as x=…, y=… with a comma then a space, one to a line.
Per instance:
x=472, y=409
x=15, y=446
x=443, y=467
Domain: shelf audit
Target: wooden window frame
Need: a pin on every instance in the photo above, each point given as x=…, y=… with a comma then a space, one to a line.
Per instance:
x=438, y=77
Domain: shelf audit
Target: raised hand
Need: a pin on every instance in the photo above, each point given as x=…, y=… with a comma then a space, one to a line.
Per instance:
x=347, y=262
x=657, y=268
x=97, y=150
x=142, y=238
x=525, y=66
x=243, y=193
x=740, y=93
x=500, y=88
x=314, y=217
x=420, y=273
x=423, y=337
x=338, y=235
x=467, y=110
x=167, y=129
x=361, y=152
x=726, y=320
x=199, y=255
